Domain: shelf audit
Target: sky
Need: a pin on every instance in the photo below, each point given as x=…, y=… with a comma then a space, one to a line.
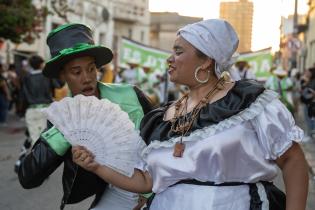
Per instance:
x=266, y=20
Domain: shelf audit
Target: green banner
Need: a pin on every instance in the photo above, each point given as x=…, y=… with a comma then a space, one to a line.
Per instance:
x=260, y=62
x=144, y=55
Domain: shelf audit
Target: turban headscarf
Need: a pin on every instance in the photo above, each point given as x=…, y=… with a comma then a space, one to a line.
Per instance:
x=215, y=38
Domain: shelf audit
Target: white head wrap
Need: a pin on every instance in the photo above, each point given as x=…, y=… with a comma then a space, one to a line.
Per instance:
x=215, y=38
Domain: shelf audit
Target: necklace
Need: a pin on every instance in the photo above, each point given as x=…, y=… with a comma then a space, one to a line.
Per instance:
x=182, y=122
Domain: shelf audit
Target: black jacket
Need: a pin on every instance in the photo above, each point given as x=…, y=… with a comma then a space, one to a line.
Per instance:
x=78, y=184
x=38, y=89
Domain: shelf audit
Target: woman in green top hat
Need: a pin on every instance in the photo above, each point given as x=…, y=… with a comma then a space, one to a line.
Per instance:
x=75, y=59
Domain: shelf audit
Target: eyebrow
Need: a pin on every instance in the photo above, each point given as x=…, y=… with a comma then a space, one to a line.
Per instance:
x=177, y=47
x=78, y=67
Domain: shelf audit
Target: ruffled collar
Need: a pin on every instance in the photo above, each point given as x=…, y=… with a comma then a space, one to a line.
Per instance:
x=239, y=98
x=249, y=113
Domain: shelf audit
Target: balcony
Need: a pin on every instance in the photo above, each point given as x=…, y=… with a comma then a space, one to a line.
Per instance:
x=128, y=12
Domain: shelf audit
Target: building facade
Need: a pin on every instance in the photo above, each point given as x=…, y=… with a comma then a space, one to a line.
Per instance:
x=240, y=15
x=291, y=46
x=310, y=36
x=132, y=20
x=164, y=26
x=108, y=19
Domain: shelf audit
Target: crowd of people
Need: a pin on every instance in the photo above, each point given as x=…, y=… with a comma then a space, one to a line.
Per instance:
x=216, y=144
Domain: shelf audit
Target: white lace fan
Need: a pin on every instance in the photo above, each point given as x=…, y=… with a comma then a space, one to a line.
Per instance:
x=101, y=126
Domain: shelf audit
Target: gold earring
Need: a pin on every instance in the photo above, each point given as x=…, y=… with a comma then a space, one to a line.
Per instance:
x=199, y=80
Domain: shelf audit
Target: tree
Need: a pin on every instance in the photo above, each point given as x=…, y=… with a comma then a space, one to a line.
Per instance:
x=20, y=20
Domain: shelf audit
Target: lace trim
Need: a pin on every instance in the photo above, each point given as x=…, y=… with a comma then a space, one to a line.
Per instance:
x=249, y=113
x=282, y=145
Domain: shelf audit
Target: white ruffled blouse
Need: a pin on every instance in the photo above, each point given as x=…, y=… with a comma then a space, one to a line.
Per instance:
x=238, y=149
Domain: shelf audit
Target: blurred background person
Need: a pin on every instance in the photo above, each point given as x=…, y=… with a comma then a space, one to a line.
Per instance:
x=5, y=96
x=243, y=70
x=37, y=93
x=295, y=76
x=307, y=98
x=119, y=74
x=281, y=83
x=106, y=73
x=14, y=86
x=130, y=74
x=147, y=83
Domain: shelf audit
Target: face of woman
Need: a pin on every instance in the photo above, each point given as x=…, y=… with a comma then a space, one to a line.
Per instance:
x=183, y=62
x=80, y=75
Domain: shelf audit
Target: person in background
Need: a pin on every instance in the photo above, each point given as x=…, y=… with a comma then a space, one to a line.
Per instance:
x=148, y=82
x=160, y=86
x=119, y=74
x=295, y=77
x=107, y=73
x=5, y=96
x=281, y=83
x=308, y=98
x=76, y=60
x=243, y=70
x=14, y=86
x=130, y=75
x=219, y=146
x=37, y=93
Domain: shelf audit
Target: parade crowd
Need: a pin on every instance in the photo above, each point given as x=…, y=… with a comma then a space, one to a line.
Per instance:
x=296, y=88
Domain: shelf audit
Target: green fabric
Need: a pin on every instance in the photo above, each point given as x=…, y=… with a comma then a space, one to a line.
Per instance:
x=147, y=195
x=125, y=96
x=121, y=94
x=56, y=140
x=283, y=98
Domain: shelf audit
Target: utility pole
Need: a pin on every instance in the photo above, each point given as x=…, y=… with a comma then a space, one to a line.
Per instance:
x=295, y=18
x=295, y=37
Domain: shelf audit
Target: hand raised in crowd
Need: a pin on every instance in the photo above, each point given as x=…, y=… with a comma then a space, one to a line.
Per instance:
x=84, y=158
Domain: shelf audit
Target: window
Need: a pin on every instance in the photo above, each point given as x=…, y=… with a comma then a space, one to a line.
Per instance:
x=142, y=36
x=130, y=33
x=102, y=38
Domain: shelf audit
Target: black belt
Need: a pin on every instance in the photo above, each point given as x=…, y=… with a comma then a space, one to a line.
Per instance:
x=196, y=182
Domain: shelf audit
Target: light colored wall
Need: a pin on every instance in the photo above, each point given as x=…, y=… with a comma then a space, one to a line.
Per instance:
x=310, y=58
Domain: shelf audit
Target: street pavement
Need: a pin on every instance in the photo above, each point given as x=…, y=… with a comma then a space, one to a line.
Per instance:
x=12, y=195
x=49, y=194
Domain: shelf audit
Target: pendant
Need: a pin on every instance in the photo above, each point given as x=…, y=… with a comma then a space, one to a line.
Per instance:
x=179, y=149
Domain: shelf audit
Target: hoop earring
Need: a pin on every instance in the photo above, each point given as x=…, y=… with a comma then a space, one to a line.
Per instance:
x=199, y=80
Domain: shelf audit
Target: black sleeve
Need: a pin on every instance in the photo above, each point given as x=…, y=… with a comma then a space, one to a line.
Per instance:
x=57, y=83
x=24, y=91
x=38, y=164
x=144, y=100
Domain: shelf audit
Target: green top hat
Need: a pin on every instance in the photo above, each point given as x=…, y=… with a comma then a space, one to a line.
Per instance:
x=71, y=41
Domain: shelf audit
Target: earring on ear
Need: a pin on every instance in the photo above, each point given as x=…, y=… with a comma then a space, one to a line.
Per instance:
x=225, y=78
x=199, y=80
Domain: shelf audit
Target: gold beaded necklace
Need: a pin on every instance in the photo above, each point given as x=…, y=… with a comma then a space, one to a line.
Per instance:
x=182, y=121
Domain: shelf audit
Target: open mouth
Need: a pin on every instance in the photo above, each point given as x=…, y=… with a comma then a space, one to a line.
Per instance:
x=88, y=91
x=171, y=69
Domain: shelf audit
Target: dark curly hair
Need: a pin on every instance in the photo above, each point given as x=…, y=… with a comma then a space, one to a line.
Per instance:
x=36, y=61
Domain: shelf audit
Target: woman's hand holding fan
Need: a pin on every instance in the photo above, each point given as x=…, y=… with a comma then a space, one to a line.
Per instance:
x=101, y=127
